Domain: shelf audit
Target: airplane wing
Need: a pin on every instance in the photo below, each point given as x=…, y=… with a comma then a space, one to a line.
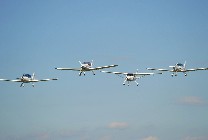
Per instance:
x=136, y=74
x=191, y=70
x=144, y=74
x=201, y=68
x=196, y=69
x=115, y=72
x=74, y=69
x=158, y=69
x=43, y=80
x=16, y=80
x=103, y=67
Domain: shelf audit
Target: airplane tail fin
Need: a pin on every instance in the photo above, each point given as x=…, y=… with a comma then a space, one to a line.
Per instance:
x=33, y=76
x=137, y=71
x=184, y=64
x=92, y=63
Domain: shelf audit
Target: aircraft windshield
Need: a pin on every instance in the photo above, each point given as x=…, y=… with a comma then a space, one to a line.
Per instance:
x=179, y=64
x=130, y=74
x=27, y=75
x=87, y=63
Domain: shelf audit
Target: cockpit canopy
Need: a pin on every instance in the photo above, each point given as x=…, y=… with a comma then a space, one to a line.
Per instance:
x=88, y=63
x=27, y=75
x=130, y=74
x=179, y=64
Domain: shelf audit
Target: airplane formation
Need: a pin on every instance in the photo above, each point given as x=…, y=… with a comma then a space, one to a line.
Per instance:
x=128, y=77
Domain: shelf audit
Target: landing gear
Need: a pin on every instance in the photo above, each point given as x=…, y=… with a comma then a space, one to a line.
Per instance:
x=137, y=83
x=93, y=72
x=128, y=83
x=185, y=74
x=80, y=74
x=174, y=74
x=124, y=81
x=22, y=85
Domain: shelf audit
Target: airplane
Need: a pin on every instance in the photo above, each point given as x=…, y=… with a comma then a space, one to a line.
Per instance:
x=27, y=78
x=130, y=77
x=86, y=66
x=179, y=67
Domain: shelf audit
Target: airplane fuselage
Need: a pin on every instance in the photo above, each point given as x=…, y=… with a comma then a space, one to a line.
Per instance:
x=130, y=78
x=26, y=78
x=179, y=68
x=85, y=67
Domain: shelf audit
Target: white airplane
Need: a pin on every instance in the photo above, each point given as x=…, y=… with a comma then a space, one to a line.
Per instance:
x=178, y=68
x=129, y=77
x=27, y=78
x=86, y=66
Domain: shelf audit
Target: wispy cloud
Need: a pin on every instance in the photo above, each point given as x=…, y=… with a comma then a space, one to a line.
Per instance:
x=192, y=100
x=151, y=138
x=118, y=125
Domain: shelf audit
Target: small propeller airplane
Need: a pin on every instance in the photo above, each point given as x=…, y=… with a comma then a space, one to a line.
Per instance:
x=179, y=67
x=130, y=77
x=86, y=66
x=27, y=78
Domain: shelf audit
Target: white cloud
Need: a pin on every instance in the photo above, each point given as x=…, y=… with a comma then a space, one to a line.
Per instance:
x=191, y=100
x=118, y=125
x=150, y=138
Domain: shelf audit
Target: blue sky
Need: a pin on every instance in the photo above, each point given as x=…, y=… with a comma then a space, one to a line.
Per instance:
x=37, y=36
